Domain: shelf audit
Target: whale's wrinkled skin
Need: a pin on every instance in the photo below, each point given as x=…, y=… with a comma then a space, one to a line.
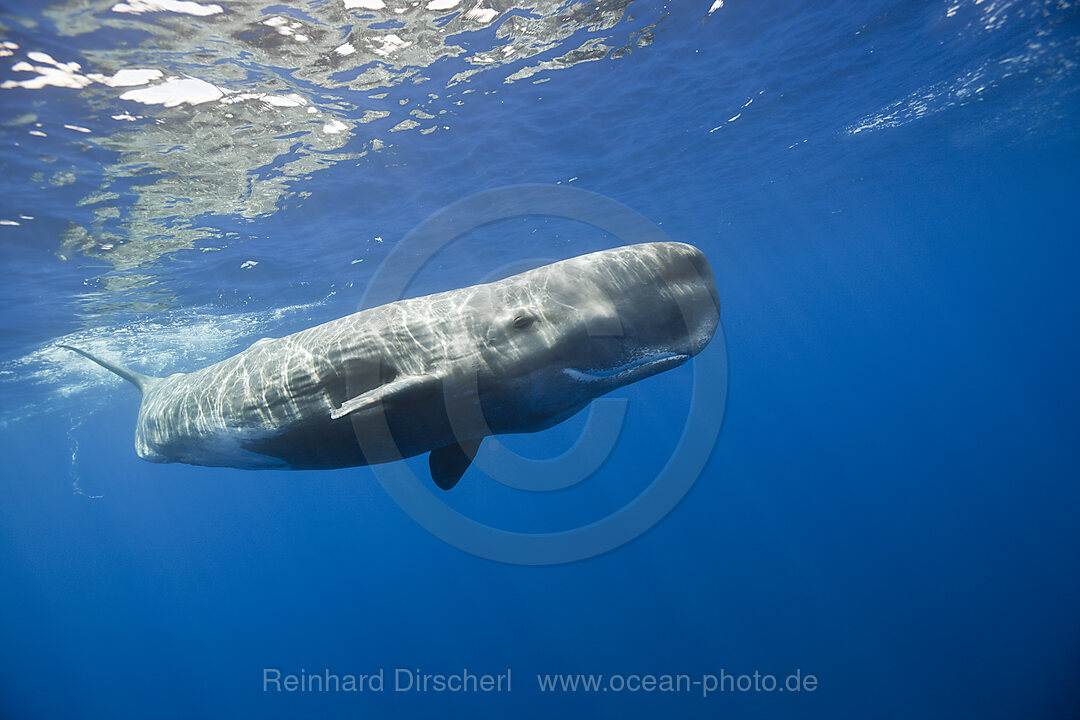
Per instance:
x=437, y=373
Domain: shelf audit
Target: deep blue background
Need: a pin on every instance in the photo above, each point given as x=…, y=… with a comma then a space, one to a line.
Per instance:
x=892, y=504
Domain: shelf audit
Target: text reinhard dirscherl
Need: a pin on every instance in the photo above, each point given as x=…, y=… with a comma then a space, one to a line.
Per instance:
x=401, y=680
x=467, y=681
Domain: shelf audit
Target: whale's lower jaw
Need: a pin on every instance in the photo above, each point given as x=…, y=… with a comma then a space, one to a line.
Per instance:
x=636, y=369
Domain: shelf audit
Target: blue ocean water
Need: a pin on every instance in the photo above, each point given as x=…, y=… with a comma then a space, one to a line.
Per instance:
x=886, y=191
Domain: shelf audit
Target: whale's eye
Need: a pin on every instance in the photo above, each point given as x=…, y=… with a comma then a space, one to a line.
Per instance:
x=522, y=321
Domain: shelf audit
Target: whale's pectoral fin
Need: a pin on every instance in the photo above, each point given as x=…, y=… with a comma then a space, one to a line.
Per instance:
x=449, y=463
x=400, y=388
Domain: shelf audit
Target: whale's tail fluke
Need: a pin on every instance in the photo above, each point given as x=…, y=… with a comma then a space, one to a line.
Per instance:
x=137, y=379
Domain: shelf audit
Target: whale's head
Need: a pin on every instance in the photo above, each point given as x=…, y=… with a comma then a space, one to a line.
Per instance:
x=563, y=334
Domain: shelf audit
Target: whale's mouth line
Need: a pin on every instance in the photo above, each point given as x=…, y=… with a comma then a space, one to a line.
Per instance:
x=638, y=367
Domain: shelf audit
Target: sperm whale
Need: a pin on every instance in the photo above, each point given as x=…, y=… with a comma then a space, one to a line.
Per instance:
x=437, y=373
